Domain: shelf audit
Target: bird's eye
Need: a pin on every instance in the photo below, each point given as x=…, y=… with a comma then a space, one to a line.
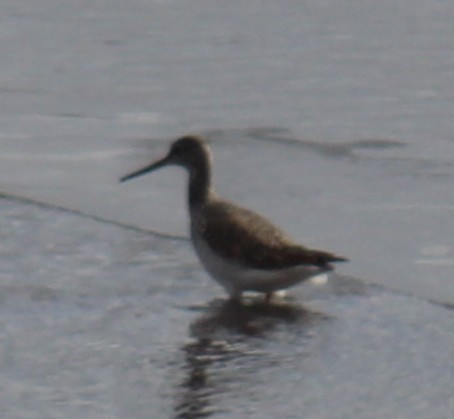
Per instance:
x=177, y=149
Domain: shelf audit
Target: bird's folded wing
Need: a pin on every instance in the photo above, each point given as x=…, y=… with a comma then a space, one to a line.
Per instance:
x=249, y=239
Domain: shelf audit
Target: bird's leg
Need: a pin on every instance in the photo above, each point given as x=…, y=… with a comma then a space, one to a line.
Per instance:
x=268, y=297
x=235, y=298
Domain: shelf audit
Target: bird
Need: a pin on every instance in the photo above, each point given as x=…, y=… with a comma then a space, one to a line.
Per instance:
x=241, y=249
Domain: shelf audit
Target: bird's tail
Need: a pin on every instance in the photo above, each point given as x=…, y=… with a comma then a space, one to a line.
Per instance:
x=324, y=259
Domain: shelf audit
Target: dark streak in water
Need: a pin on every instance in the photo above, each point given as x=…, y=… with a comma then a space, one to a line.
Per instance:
x=345, y=285
x=77, y=115
x=336, y=150
x=45, y=205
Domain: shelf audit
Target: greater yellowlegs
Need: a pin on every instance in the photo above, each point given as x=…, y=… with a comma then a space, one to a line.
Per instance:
x=239, y=248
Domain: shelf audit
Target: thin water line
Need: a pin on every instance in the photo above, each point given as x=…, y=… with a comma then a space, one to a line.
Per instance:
x=46, y=205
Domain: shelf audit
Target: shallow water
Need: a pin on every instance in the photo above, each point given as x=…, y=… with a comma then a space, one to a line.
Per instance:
x=333, y=120
x=102, y=321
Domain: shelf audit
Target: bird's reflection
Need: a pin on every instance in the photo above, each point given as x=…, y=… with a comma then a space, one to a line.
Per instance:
x=225, y=333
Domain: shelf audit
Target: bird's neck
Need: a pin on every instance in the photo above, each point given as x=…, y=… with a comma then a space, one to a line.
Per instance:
x=200, y=188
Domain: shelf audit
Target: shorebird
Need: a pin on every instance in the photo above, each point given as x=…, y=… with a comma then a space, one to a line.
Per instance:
x=239, y=248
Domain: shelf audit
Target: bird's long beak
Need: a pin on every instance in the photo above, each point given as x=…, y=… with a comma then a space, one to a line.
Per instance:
x=147, y=169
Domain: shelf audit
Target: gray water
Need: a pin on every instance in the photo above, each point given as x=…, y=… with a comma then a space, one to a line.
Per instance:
x=332, y=119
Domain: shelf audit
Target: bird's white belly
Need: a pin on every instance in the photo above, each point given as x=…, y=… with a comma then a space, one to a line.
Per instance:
x=236, y=278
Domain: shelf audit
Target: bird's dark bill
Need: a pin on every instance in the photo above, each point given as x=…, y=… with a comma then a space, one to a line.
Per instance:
x=146, y=169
